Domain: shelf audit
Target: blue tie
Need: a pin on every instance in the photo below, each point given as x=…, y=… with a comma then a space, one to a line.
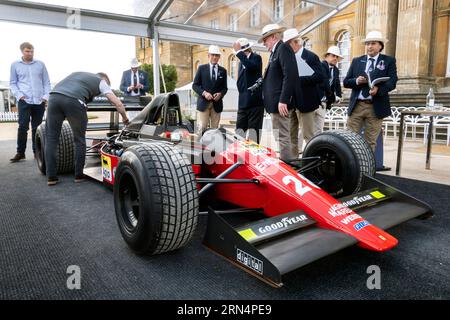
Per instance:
x=214, y=78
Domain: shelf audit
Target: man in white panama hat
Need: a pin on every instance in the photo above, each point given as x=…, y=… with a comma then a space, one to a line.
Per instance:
x=210, y=83
x=135, y=82
x=278, y=86
x=331, y=85
x=369, y=105
x=308, y=93
x=251, y=108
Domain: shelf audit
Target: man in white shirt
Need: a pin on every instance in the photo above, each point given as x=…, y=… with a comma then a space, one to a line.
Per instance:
x=30, y=84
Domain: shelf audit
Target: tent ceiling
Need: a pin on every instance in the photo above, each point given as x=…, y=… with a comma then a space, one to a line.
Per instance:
x=189, y=21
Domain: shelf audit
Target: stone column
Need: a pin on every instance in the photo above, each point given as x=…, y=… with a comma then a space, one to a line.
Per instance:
x=320, y=39
x=360, y=28
x=382, y=15
x=441, y=44
x=415, y=22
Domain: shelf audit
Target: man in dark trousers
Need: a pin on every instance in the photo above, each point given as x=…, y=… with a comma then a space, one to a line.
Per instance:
x=134, y=81
x=331, y=84
x=368, y=106
x=30, y=84
x=251, y=108
x=210, y=83
x=308, y=92
x=278, y=86
x=68, y=100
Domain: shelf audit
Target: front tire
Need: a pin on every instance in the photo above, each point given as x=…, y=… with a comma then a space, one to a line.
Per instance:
x=155, y=199
x=346, y=156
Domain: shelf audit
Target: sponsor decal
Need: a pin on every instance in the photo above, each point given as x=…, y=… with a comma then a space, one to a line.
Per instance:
x=249, y=261
x=255, y=148
x=284, y=223
x=248, y=234
x=339, y=209
x=356, y=201
x=351, y=218
x=261, y=166
x=378, y=195
x=361, y=225
x=106, y=168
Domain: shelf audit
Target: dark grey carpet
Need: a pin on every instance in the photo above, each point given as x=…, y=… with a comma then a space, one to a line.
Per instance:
x=44, y=230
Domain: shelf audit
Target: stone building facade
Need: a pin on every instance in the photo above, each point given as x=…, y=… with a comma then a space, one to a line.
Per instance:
x=418, y=32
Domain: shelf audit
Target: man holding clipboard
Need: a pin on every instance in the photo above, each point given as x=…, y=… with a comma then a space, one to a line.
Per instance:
x=371, y=78
x=308, y=92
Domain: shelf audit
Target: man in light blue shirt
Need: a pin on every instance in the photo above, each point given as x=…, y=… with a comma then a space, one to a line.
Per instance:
x=30, y=84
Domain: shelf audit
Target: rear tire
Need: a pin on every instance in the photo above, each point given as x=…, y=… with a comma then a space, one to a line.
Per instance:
x=40, y=147
x=348, y=158
x=65, y=154
x=155, y=198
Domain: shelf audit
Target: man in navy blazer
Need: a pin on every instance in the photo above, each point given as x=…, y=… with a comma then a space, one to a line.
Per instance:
x=251, y=108
x=210, y=83
x=368, y=106
x=135, y=82
x=332, y=92
x=308, y=93
x=278, y=86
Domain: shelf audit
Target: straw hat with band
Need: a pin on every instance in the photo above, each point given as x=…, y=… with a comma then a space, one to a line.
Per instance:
x=269, y=30
x=335, y=51
x=244, y=43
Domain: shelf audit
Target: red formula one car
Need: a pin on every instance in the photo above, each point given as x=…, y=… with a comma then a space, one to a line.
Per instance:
x=264, y=215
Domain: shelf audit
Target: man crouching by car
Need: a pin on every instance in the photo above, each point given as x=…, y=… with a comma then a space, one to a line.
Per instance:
x=69, y=100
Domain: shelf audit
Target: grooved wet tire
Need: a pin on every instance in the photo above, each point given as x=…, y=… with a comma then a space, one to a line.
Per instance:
x=155, y=198
x=65, y=155
x=347, y=158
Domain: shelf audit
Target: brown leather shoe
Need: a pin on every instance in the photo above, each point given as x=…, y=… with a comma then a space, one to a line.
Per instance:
x=18, y=157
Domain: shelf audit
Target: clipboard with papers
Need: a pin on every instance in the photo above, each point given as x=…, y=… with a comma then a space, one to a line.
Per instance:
x=304, y=70
x=374, y=82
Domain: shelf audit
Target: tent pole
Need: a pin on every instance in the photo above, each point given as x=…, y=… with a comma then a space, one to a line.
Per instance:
x=155, y=42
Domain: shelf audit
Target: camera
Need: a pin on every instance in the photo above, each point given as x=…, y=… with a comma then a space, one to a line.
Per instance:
x=256, y=86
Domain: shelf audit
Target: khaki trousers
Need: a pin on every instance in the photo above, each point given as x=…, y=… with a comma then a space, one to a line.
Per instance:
x=320, y=118
x=363, y=116
x=208, y=118
x=303, y=127
x=281, y=128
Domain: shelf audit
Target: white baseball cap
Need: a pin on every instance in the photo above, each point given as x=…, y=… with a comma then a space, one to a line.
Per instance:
x=214, y=50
